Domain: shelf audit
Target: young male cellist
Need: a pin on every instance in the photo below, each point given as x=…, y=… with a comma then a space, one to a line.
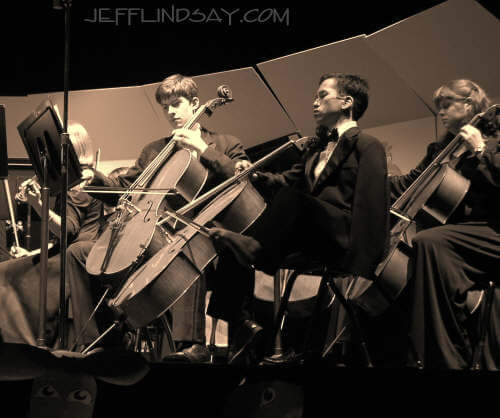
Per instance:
x=178, y=96
x=333, y=205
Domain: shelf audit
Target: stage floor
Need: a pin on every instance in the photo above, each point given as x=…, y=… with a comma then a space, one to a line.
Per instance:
x=315, y=390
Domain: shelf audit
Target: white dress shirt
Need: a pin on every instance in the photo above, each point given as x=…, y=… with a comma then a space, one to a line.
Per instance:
x=325, y=155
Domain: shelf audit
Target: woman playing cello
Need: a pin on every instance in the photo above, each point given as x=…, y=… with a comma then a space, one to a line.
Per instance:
x=451, y=259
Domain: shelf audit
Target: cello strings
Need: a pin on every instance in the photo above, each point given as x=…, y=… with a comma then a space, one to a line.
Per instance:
x=150, y=169
x=446, y=152
x=162, y=156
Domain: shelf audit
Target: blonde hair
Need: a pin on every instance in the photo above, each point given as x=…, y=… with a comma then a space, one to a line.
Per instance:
x=464, y=90
x=82, y=143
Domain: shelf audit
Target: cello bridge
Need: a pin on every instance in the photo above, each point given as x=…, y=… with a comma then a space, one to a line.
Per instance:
x=129, y=206
x=165, y=233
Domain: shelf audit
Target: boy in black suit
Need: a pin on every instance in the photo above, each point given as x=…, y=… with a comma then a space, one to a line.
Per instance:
x=178, y=97
x=333, y=205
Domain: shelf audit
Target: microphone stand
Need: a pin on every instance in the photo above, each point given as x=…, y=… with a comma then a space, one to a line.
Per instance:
x=64, y=186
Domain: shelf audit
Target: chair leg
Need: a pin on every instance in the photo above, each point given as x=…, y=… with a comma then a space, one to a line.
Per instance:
x=280, y=315
x=483, y=327
x=354, y=318
x=213, y=331
x=330, y=346
x=278, y=278
x=212, y=346
x=137, y=340
x=168, y=332
x=315, y=316
x=152, y=349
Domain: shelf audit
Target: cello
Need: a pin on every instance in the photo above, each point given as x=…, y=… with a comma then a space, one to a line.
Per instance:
x=133, y=233
x=429, y=201
x=162, y=280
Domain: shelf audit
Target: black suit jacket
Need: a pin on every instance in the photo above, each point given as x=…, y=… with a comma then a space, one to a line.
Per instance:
x=354, y=193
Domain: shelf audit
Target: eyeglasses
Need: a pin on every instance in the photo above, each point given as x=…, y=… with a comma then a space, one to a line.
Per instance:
x=315, y=97
x=446, y=102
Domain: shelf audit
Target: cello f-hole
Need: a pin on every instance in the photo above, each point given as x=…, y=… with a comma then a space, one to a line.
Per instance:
x=148, y=209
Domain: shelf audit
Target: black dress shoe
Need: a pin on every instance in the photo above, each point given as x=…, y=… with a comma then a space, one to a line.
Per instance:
x=197, y=353
x=247, y=337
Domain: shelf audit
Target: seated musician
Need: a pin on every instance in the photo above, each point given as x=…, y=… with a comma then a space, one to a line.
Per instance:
x=20, y=277
x=450, y=259
x=178, y=96
x=332, y=206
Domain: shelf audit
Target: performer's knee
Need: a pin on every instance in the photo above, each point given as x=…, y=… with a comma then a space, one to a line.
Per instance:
x=429, y=238
x=79, y=250
x=288, y=196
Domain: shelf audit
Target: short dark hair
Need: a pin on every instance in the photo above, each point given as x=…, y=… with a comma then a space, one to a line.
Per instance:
x=176, y=85
x=352, y=85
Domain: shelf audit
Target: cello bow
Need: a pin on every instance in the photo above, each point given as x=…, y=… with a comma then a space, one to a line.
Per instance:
x=299, y=143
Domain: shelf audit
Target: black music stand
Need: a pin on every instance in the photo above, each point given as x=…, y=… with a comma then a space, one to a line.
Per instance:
x=41, y=133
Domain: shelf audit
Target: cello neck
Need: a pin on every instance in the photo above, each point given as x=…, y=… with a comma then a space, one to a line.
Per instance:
x=190, y=124
x=165, y=153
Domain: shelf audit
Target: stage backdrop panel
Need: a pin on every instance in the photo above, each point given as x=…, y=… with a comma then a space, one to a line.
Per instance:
x=255, y=116
x=294, y=79
x=407, y=141
x=17, y=108
x=121, y=121
x=456, y=39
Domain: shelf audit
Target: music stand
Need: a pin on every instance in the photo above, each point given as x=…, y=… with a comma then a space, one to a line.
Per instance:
x=41, y=134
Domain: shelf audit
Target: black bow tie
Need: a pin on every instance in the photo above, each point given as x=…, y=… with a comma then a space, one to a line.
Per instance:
x=334, y=135
x=325, y=137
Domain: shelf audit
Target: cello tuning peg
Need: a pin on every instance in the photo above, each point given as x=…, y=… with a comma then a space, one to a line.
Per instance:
x=224, y=92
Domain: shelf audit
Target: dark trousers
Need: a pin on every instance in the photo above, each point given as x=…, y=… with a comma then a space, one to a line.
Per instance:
x=293, y=222
x=85, y=292
x=449, y=260
x=232, y=290
x=188, y=314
